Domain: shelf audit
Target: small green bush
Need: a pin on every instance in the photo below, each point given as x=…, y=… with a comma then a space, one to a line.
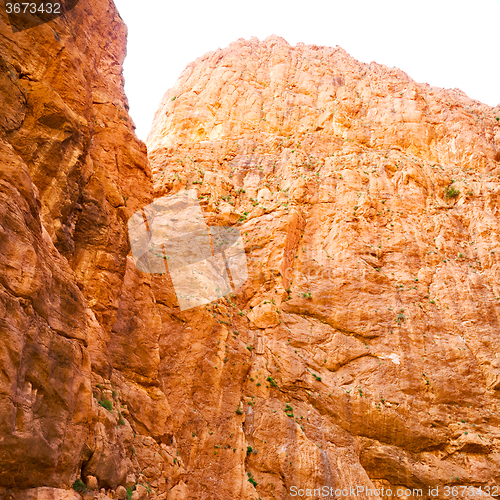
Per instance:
x=79, y=486
x=251, y=480
x=451, y=192
x=401, y=317
x=106, y=403
x=239, y=411
x=272, y=382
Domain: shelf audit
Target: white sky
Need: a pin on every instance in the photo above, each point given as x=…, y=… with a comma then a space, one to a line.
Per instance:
x=446, y=43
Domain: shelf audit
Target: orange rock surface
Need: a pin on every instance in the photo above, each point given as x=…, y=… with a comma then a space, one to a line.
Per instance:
x=369, y=205
x=72, y=172
x=361, y=352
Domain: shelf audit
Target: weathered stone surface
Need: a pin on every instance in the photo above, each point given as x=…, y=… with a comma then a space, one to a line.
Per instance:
x=130, y=481
x=45, y=391
x=369, y=207
x=44, y=493
x=121, y=493
x=265, y=315
x=91, y=483
x=140, y=493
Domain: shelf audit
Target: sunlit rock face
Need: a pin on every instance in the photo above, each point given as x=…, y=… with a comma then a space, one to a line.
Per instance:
x=358, y=346
x=363, y=350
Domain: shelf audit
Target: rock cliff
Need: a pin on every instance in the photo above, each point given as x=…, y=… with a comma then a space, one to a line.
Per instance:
x=361, y=352
x=72, y=172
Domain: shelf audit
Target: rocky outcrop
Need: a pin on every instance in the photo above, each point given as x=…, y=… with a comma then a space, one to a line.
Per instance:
x=362, y=351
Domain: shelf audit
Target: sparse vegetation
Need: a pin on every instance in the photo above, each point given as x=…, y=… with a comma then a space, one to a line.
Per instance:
x=400, y=317
x=251, y=480
x=106, y=403
x=79, y=486
x=451, y=192
x=272, y=382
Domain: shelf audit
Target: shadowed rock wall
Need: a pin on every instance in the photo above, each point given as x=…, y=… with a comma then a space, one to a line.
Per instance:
x=72, y=308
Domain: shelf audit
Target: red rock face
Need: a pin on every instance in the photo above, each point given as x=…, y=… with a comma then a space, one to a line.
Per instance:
x=72, y=172
x=362, y=351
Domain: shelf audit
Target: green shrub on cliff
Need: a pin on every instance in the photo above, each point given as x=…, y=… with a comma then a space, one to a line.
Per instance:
x=451, y=192
x=106, y=403
x=79, y=486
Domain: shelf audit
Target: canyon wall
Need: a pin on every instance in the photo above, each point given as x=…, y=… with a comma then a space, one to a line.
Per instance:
x=361, y=352
x=73, y=310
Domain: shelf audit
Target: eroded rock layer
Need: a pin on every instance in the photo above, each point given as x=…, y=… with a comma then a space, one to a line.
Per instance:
x=71, y=308
x=363, y=351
